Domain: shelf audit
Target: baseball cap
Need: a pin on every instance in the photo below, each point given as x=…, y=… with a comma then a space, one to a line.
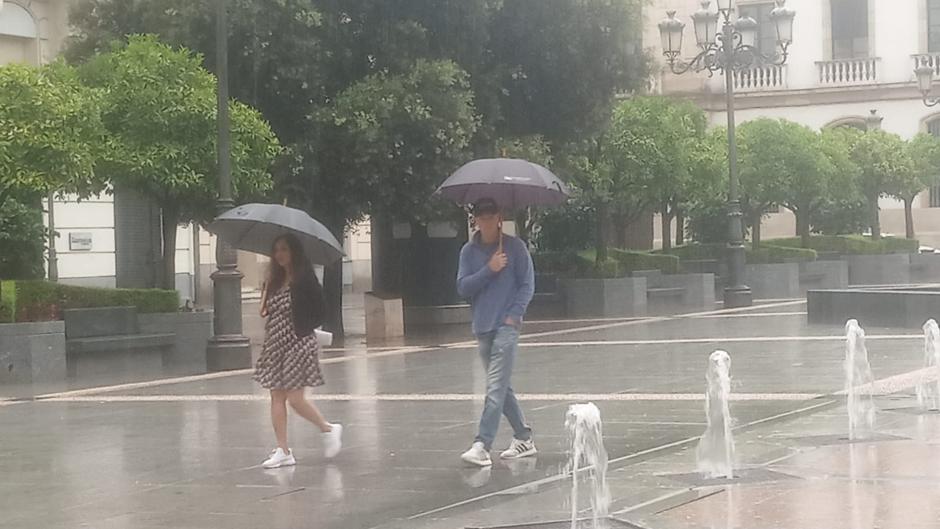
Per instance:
x=485, y=206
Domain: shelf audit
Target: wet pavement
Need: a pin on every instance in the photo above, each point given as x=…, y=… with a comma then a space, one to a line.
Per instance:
x=148, y=451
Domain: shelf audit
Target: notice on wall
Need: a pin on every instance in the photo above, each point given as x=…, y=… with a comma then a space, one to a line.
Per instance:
x=80, y=242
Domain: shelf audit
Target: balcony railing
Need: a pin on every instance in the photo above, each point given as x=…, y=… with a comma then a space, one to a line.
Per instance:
x=843, y=72
x=928, y=59
x=761, y=78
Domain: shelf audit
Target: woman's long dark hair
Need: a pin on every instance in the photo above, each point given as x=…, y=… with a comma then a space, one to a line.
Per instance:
x=277, y=275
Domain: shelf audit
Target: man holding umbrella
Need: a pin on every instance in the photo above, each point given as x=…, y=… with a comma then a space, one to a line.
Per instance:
x=497, y=277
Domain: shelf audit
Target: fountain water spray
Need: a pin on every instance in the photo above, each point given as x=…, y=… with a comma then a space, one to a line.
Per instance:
x=860, y=404
x=715, y=453
x=928, y=390
x=586, y=445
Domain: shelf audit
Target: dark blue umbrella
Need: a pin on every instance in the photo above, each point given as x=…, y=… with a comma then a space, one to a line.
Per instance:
x=511, y=182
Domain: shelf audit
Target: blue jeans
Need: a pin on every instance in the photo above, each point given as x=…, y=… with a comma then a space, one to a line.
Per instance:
x=498, y=351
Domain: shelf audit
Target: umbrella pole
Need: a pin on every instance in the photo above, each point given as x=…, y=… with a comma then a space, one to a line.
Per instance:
x=500, y=237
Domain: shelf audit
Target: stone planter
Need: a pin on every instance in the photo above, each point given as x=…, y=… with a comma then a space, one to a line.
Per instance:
x=192, y=330
x=908, y=308
x=32, y=352
x=823, y=275
x=774, y=281
x=925, y=268
x=600, y=298
x=892, y=269
x=384, y=317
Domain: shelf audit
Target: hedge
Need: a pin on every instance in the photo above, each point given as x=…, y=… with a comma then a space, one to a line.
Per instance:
x=852, y=244
x=7, y=301
x=44, y=301
x=767, y=254
x=572, y=264
x=632, y=261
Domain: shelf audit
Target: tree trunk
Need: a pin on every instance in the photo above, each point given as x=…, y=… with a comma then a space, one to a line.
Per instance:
x=755, y=231
x=874, y=218
x=169, y=226
x=680, y=228
x=802, y=228
x=666, y=219
x=909, y=218
x=333, y=294
x=603, y=231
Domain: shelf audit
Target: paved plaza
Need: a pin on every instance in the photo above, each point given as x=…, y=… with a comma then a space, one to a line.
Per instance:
x=160, y=451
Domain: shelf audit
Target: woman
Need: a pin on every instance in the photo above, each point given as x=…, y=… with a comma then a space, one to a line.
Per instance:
x=293, y=304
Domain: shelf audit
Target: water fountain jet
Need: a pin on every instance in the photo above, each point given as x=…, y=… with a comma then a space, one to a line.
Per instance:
x=715, y=452
x=586, y=445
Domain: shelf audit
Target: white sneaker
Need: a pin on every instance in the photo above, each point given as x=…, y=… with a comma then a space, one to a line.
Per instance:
x=280, y=459
x=333, y=441
x=477, y=455
x=519, y=449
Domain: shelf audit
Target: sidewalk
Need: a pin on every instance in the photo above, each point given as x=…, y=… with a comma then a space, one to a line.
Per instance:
x=794, y=472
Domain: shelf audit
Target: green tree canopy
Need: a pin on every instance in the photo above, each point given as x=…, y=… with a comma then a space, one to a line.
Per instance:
x=883, y=163
x=160, y=113
x=924, y=154
x=51, y=133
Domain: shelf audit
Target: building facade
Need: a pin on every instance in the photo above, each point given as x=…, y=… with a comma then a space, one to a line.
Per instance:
x=114, y=239
x=848, y=57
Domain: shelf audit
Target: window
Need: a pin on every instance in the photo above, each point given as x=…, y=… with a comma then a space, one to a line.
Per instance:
x=766, y=30
x=933, y=127
x=933, y=26
x=849, y=29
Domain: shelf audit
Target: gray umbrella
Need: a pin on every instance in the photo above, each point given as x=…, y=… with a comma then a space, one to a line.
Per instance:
x=511, y=182
x=254, y=227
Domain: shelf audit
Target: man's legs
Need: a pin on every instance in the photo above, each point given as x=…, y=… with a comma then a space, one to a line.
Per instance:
x=498, y=352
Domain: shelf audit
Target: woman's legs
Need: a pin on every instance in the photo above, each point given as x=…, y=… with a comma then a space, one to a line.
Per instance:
x=307, y=410
x=279, y=417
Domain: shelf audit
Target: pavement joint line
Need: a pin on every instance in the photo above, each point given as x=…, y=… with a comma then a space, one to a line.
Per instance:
x=448, y=397
x=742, y=339
x=394, y=352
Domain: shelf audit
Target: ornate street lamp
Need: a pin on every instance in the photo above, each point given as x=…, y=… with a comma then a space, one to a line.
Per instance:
x=925, y=74
x=732, y=49
x=228, y=348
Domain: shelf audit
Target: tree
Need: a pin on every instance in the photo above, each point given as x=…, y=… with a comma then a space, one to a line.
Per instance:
x=884, y=164
x=160, y=113
x=924, y=154
x=707, y=200
x=22, y=241
x=382, y=147
x=794, y=166
x=662, y=139
x=560, y=63
x=51, y=133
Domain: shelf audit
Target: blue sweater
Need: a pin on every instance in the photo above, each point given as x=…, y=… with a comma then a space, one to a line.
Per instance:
x=494, y=296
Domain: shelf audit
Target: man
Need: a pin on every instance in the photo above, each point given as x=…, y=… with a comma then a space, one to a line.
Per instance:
x=497, y=276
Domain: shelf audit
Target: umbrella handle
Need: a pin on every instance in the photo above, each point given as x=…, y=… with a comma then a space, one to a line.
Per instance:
x=500, y=237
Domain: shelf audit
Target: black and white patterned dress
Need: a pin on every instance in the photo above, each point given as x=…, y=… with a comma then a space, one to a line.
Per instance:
x=287, y=361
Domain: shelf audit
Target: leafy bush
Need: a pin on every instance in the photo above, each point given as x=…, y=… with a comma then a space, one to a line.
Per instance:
x=571, y=228
x=44, y=301
x=697, y=252
x=853, y=244
x=23, y=239
x=632, y=261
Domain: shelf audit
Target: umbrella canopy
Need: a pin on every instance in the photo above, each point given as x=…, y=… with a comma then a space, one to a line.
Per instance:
x=254, y=227
x=511, y=182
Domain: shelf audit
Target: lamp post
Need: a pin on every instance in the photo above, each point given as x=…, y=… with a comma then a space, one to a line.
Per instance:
x=925, y=73
x=728, y=50
x=228, y=348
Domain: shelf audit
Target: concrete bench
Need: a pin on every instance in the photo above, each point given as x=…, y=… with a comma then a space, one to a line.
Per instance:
x=679, y=290
x=110, y=330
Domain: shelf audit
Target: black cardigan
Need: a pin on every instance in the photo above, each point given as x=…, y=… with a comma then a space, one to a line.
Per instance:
x=307, y=304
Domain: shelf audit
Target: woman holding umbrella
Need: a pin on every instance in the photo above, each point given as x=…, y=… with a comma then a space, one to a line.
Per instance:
x=294, y=307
